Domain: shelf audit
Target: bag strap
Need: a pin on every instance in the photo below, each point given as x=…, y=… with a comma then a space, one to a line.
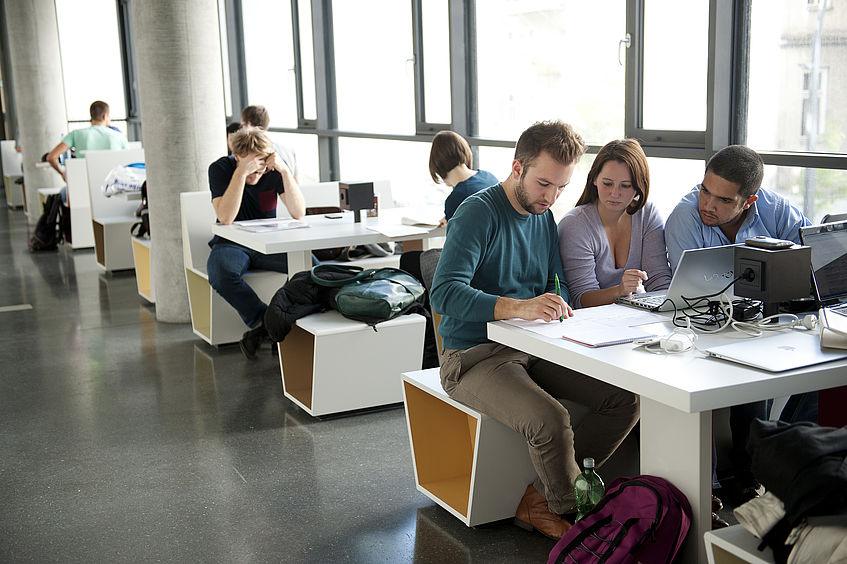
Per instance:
x=354, y=273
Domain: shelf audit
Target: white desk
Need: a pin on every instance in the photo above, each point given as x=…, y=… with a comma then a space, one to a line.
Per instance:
x=678, y=393
x=324, y=233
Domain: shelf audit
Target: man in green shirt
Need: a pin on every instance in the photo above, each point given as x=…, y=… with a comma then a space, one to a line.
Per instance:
x=500, y=261
x=98, y=137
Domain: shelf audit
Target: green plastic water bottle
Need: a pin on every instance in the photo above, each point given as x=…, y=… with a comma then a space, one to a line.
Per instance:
x=588, y=488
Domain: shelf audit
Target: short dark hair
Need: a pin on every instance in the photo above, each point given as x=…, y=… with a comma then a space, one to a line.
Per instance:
x=629, y=153
x=448, y=151
x=740, y=165
x=98, y=110
x=256, y=116
x=233, y=127
x=555, y=137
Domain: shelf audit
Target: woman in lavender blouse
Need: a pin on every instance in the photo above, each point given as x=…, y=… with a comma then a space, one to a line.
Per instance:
x=613, y=242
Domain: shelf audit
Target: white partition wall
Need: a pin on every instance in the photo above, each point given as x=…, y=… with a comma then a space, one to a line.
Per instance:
x=111, y=217
x=79, y=201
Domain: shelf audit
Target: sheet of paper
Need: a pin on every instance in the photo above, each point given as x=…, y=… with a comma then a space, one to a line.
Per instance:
x=597, y=326
x=263, y=225
x=397, y=230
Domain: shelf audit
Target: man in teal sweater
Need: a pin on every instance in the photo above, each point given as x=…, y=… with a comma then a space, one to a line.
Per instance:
x=500, y=261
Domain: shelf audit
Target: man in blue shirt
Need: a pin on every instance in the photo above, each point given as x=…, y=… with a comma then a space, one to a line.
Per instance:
x=728, y=207
x=500, y=261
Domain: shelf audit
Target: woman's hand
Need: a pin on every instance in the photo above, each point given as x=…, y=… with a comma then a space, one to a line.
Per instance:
x=631, y=281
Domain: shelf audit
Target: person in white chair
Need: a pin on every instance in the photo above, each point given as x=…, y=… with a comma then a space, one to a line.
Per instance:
x=500, y=261
x=99, y=136
x=247, y=185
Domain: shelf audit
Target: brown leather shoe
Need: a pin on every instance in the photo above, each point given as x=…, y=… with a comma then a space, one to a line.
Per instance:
x=718, y=522
x=717, y=504
x=533, y=513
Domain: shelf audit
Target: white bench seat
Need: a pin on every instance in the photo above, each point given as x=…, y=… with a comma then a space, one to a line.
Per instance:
x=733, y=545
x=468, y=463
x=331, y=364
x=471, y=464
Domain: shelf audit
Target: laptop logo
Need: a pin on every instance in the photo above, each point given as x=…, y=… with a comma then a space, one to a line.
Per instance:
x=786, y=348
x=728, y=275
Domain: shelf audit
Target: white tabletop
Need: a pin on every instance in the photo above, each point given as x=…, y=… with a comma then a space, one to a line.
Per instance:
x=690, y=381
x=324, y=232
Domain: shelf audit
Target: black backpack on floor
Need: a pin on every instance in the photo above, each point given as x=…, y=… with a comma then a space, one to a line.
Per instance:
x=48, y=231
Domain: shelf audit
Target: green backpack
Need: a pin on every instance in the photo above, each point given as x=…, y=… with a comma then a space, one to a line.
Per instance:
x=373, y=295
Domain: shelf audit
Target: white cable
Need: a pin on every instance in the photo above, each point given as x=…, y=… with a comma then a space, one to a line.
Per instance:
x=758, y=328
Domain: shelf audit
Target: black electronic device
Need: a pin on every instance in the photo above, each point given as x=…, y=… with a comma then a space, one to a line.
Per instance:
x=763, y=242
x=772, y=275
x=356, y=196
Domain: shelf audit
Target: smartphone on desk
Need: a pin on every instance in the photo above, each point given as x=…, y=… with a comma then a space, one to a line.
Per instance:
x=763, y=242
x=333, y=216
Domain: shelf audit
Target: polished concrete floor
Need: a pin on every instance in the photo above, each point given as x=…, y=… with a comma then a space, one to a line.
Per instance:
x=123, y=439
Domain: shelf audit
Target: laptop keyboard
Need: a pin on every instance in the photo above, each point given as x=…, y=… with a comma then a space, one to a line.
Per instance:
x=652, y=301
x=839, y=309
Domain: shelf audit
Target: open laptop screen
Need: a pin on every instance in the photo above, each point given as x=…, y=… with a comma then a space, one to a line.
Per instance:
x=829, y=259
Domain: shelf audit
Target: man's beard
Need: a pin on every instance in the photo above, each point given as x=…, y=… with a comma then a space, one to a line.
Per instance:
x=523, y=199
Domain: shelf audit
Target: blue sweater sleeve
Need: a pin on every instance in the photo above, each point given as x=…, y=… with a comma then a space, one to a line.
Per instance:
x=451, y=292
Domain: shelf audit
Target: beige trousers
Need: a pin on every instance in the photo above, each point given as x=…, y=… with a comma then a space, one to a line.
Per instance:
x=520, y=391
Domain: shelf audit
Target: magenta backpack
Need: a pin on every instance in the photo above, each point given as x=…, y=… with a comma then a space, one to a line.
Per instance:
x=640, y=519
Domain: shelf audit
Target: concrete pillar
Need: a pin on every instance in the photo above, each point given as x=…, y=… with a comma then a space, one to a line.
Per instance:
x=38, y=89
x=181, y=90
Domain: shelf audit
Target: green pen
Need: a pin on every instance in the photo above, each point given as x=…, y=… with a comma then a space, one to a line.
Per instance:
x=559, y=293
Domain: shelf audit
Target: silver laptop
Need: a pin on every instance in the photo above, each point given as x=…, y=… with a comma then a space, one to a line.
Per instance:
x=700, y=272
x=829, y=260
x=829, y=271
x=785, y=350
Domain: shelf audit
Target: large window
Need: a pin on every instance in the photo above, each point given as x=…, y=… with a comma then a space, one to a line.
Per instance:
x=374, y=66
x=540, y=60
x=269, y=58
x=675, y=64
x=816, y=191
x=305, y=148
x=798, y=72
x=91, y=62
x=436, y=61
x=405, y=164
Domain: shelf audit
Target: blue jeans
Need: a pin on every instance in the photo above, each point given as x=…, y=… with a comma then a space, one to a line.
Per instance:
x=226, y=267
x=740, y=418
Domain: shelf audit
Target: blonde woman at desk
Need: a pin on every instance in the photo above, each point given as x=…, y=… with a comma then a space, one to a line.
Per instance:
x=613, y=242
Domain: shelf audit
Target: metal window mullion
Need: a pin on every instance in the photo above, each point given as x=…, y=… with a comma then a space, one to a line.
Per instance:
x=633, y=100
x=302, y=122
x=237, y=58
x=422, y=126
x=418, y=56
x=665, y=141
x=719, y=84
x=325, y=88
x=463, y=77
x=740, y=71
x=130, y=77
